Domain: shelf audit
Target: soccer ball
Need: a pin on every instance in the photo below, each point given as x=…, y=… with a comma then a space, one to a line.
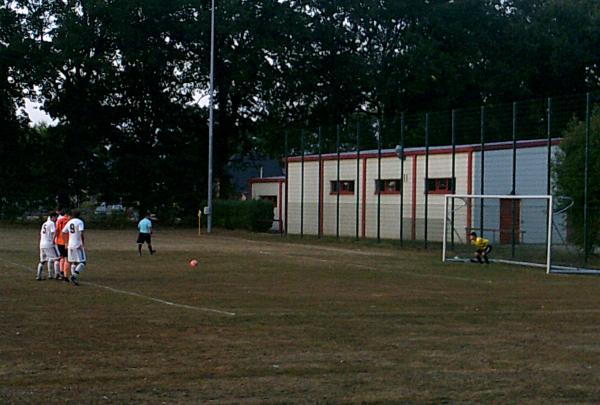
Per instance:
x=193, y=263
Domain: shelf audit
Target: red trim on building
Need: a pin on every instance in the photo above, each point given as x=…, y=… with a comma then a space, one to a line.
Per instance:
x=421, y=151
x=387, y=192
x=364, y=198
x=280, y=206
x=278, y=179
x=469, y=187
x=322, y=192
x=413, y=228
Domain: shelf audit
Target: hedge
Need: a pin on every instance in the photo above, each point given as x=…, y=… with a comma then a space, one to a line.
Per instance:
x=251, y=215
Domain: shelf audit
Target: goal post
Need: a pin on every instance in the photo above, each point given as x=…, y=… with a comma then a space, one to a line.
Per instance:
x=519, y=228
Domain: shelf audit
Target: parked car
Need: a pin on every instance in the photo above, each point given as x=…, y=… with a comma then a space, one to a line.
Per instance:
x=35, y=215
x=104, y=209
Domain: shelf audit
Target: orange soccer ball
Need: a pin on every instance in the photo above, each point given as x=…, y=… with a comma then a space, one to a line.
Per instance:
x=193, y=263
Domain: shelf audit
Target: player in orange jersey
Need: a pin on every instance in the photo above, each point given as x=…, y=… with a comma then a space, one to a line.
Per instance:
x=61, y=242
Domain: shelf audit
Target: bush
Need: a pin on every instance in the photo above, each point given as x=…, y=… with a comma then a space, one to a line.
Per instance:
x=251, y=215
x=113, y=220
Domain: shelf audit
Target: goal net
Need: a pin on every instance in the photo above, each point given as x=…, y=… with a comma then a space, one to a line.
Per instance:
x=518, y=227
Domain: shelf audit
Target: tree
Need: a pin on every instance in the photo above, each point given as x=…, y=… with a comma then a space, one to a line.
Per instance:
x=124, y=78
x=569, y=170
x=16, y=140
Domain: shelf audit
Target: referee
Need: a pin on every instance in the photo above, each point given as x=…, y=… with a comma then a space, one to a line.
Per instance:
x=145, y=234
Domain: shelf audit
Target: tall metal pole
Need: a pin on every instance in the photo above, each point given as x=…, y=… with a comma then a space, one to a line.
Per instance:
x=426, y=174
x=211, y=121
x=287, y=176
x=402, y=179
x=482, y=180
x=339, y=186
x=586, y=181
x=302, y=184
x=453, y=180
x=514, y=179
x=549, y=175
x=357, y=186
x=380, y=189
x=549, y=158
x=319, y=208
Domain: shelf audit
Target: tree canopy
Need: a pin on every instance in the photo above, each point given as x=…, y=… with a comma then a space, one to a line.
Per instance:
x=128, y=81
x=570, y=180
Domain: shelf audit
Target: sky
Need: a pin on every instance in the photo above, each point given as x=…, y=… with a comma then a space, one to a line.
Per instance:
x=37, y=116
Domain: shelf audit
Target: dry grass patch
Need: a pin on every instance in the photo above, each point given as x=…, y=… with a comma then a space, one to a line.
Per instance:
x=314, y=322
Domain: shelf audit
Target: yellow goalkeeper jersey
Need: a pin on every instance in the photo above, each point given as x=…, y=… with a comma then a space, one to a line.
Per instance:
x=481, y=243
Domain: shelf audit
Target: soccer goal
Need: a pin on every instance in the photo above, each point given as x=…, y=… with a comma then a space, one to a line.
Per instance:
x=518, y=227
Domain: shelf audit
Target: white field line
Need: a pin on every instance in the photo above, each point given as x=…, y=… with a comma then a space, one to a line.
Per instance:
x=389, y=268
x=309, y=247
x=474, y=311
x=216, y=311
x=425, y=275
x=134, y=294
x=356, y=265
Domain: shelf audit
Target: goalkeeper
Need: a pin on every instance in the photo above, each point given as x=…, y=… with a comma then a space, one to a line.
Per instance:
x=483, y=248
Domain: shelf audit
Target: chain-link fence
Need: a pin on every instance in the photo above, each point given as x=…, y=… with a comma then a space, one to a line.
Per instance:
x=385, y=178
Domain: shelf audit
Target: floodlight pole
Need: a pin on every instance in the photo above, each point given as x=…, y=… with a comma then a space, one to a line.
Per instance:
x=211, y=121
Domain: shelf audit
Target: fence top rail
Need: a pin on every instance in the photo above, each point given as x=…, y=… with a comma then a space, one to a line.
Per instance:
x=499, y=196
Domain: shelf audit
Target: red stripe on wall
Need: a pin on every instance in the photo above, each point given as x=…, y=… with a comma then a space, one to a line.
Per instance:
x=413, y=230
x=364, y=198
x=277, y=179
x=469, y=188
x=322, y=196
x=280, y=206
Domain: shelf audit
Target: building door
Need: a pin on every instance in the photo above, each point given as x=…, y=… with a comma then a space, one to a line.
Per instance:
x=506, y=220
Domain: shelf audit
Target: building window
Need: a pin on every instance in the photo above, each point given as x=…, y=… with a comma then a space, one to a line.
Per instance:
x=271, y=198
x=388, y=186
x=443, y=185
x=342, y=187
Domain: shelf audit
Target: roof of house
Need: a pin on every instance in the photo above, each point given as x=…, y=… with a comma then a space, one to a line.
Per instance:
x=242, y=171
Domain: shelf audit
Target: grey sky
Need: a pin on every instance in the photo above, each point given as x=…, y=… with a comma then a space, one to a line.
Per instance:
x=37, y=116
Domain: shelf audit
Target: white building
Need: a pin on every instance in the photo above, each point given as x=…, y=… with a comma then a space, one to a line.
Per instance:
x=361, y=205
x=271, y=189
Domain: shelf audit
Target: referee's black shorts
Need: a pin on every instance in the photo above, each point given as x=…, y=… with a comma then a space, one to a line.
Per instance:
x=144, y=237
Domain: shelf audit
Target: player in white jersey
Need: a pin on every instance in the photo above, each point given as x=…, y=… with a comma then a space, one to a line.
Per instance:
x=75, y=246
x=48, y=251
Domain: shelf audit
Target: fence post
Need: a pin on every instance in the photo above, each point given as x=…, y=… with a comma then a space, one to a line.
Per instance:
x=514, y=176
x=287, y=174
x=586, y=207
x=482, y=183
x=549, y=158
x=549, y=163
x=426, y=176
x=337, y=208
x=378, y=188
x=357, y=185
x=302, y=185
x=453, y=125
x=320, y=192
x=401, y=179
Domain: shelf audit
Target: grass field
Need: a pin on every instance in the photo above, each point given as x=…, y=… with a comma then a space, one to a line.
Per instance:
x=268, y=320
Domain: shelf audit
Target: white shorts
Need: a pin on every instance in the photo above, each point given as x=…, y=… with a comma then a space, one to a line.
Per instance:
x=50, y=253
x=76, y=255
